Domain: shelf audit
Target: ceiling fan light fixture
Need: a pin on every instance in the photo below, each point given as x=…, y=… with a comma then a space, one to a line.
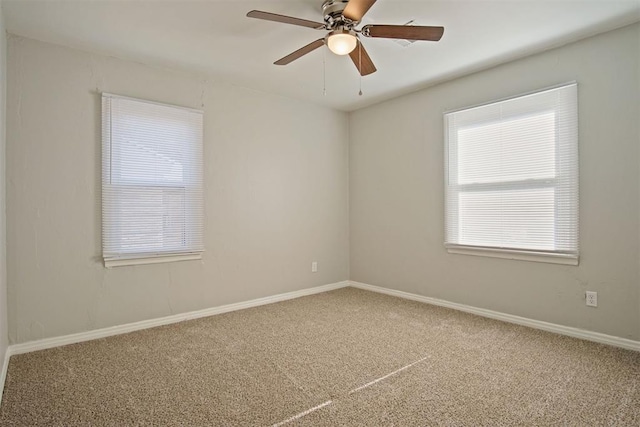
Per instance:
x=342, y=42
x=341, y=19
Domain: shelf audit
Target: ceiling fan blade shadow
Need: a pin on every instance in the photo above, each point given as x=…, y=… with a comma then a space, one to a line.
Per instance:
x=356, y=9
x=407, y=32
x=267, y=16
x=362, y=61
x=300, y=52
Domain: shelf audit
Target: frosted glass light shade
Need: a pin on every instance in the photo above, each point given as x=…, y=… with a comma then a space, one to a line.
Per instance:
x=342, y=43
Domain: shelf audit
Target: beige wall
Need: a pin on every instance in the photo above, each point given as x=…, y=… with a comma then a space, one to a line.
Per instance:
x=276, y=195
x=3, y=237
x=278, y=176
x=396, y=188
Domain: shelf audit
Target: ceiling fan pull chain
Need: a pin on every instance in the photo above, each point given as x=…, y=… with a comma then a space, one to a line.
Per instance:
x=324, y=72
x=360, y=66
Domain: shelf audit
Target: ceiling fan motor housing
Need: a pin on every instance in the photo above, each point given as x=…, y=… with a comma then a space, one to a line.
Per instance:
x=332, y=11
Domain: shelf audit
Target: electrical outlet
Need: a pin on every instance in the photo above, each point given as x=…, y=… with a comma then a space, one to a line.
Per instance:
x=314, y=267
x=592, y=299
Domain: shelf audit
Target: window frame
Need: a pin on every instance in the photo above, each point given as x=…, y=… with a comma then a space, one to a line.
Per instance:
x=133, y=257
x=519, y=253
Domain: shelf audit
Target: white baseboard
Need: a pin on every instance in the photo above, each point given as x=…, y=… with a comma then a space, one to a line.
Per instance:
x=145, y=324
x=510, y=318
x=3, y=373
x=46, y=343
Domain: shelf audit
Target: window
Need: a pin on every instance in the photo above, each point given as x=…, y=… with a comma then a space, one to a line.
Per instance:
x=511, y=183
x=152, y=205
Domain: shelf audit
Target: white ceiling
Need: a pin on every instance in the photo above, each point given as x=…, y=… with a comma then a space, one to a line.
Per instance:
x=215, y=37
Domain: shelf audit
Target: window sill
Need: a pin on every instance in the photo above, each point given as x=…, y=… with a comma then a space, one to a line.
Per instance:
x=150, y=259
x=514, y=254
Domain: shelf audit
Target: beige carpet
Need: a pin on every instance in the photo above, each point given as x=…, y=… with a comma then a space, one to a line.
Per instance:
x=347, y=357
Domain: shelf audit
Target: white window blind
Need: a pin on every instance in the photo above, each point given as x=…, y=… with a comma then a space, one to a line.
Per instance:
x=512, y=177
x=152, y=204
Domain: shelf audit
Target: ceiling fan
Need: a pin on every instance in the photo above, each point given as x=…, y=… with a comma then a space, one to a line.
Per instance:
x=341, y=17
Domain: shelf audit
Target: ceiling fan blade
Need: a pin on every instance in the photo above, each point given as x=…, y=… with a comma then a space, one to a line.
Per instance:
x=407, y=32
x=362, y=61
x=300, y=52
x=356, y=9
x=267, y=16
